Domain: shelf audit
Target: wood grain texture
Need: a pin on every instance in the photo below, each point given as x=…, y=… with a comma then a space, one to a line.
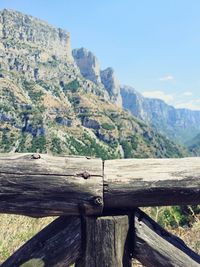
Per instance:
x=77, y=185
x=57, y=245
x=154, y=246
x=50, y=185
x=130, y=183
x=106, y=242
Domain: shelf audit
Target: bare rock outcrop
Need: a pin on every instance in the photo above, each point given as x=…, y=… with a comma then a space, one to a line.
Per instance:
x=88, y=64
x=32, y=31
x=112, y=85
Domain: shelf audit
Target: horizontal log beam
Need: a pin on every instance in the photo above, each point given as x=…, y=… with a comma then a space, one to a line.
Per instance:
x=47, y=185
x=132, y=183
x=42, y=185
x=154, y=246
x=57, y=245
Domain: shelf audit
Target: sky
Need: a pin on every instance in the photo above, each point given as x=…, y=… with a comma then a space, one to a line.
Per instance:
x=153, y=45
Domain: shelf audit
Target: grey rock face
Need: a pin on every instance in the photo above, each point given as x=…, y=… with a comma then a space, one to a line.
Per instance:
x=90, y=69
x=88, y=64
x=133, y=101
x=91, y=123
x=64, y=121
x=111, y=83
x=35, y=50
x=178, y=124
x=17, y=26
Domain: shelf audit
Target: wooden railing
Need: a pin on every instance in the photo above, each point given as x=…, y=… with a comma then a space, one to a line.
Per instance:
x=100, y=224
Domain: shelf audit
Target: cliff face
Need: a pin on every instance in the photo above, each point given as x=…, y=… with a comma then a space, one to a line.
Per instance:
x=34, y=49
x=112, y=85
x=46, y=105
x=90, y=69
x=88, y=64
x=178, y=124
x=34, y=32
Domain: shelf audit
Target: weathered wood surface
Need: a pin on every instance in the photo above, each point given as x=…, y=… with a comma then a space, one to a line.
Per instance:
x=50, y=185
x=57, y=245
x=106, y=242
x=77, y=185
x=132, y=183
x=156, y=247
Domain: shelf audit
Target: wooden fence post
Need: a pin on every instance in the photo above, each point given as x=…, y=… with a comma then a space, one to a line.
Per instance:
x=57, y=245
x=154, y=246
x=106, y=242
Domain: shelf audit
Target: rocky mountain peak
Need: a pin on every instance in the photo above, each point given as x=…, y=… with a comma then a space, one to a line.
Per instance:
x=88, y=64
x=90, y=69
x=112, y=85
x=32, y=31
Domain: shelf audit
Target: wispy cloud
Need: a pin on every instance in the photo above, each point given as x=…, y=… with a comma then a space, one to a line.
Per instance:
x=160, y=95
x=166, y=78
x=183, y=100
x=187, y=93
x=193, y=104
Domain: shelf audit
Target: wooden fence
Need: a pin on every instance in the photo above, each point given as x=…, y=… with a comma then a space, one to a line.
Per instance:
x=100, y=224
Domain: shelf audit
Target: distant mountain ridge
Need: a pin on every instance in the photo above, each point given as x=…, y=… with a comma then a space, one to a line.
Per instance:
x=179, y=125
x=193, y=145
x=46, y=105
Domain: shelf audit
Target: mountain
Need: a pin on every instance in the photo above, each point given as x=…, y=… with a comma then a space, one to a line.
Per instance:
x=88, y=64
x=193, y=145
x=179, y=125
x=48, y=104
x=90, y=69
x=112, y=85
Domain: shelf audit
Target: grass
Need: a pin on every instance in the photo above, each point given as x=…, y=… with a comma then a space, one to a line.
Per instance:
x=15, y=230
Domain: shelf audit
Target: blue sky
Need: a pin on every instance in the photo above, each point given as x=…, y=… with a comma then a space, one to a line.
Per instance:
x=153, y=45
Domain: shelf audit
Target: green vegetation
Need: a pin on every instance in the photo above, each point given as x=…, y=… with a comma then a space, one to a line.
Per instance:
x=31, y=144
x=35, y=96
x=7, y=140
x=75, y=100
x=22, y=144
x=129, y=146
x=175, y=216
x=53, y=62
x=194, y=145
x=49, y=87
x=88, y=146
x=5, y=108
x=107, y=126
x=73, y=86
x=16, y=230
x=56, y=146
x=38, y=144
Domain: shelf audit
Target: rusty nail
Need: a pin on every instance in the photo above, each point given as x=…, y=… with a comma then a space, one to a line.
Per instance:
x=84, y=174
x=36, y=156
x=98, y=201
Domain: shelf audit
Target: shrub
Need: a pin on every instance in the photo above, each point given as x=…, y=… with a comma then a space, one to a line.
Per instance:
x=38, y=144
x=72, y=86
x=56, y=146
x=107, y=126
